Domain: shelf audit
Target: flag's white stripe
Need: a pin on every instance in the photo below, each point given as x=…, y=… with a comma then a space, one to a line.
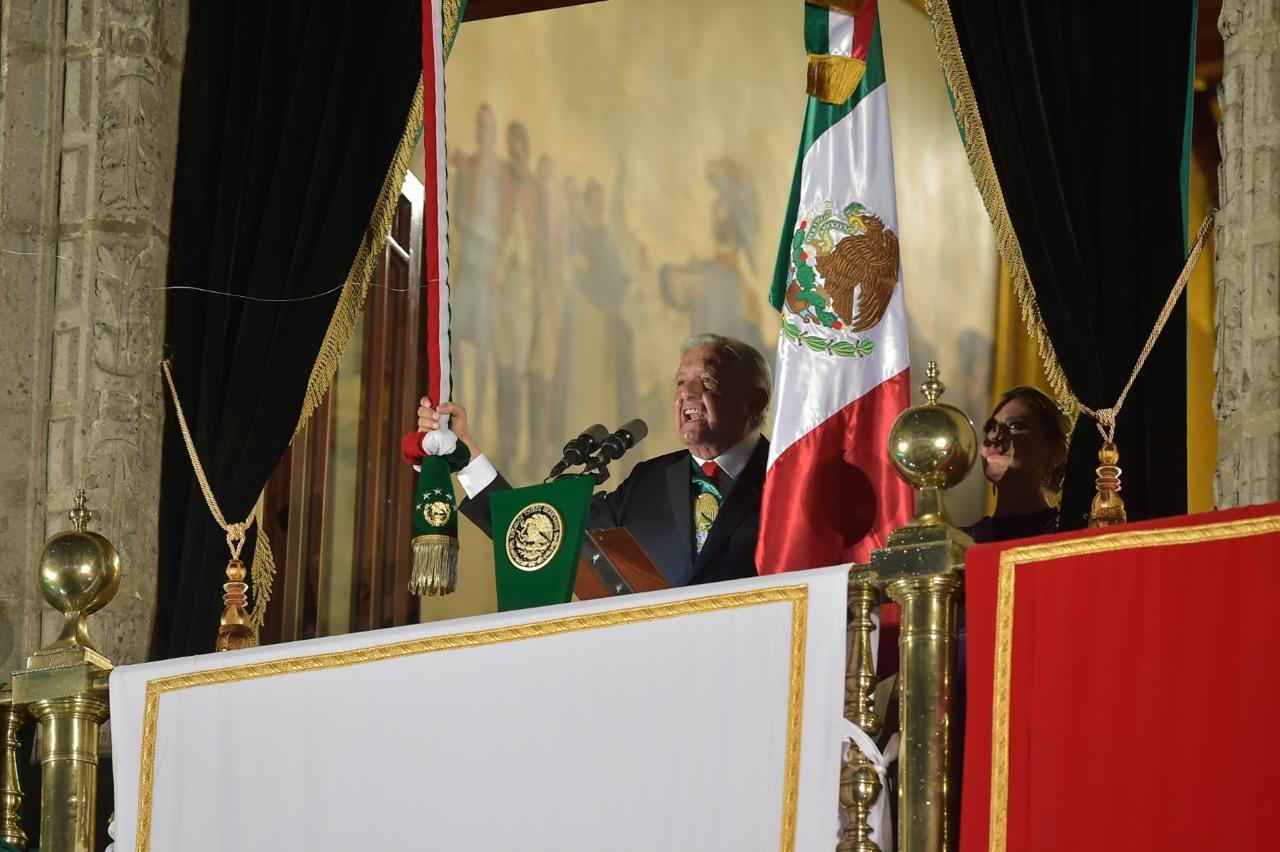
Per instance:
x=442, y=213
x=851, y=161
x=839, y=33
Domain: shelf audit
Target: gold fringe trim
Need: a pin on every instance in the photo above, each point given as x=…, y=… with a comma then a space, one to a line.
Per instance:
x=833, y=78
x=346, y=314
x=262, y=575
x=849, y=7
x=351, y=303
x=450, y=12
x=951, y=57
x=435, y=565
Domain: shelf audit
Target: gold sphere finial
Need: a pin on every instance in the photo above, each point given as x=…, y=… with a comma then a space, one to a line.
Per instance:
x=78, y=573
x=932, y=446
x=932, y=387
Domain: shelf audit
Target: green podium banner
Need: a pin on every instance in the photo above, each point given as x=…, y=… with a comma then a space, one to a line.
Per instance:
x=537, y=538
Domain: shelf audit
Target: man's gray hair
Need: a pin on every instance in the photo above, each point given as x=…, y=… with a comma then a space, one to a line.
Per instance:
x=745, y=357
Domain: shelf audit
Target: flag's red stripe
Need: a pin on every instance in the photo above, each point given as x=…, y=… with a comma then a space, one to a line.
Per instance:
x=863, y=25
x=431, y=43
x=833, y=496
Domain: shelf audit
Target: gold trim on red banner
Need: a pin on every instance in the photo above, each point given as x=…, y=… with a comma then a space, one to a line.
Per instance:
x=1015, y=557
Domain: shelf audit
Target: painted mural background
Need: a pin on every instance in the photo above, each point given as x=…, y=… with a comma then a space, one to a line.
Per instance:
x=618, y=173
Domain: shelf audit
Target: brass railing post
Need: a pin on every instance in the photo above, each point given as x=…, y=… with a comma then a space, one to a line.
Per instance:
x=859, y=784
x=63, y=685
x=932, y=446
x=11, y=718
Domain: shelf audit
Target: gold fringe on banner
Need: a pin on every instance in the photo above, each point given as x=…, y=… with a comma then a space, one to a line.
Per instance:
x=435, y=565
x=833, y=78
x=951, y=58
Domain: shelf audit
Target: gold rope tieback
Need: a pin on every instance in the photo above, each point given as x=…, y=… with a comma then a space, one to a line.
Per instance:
x=234, y=630
x=1108, y=506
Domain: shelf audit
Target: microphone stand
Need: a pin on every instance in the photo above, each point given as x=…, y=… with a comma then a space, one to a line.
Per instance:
x=598, y=473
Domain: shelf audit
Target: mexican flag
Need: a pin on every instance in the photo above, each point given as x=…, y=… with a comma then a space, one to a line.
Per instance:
x=830, y=493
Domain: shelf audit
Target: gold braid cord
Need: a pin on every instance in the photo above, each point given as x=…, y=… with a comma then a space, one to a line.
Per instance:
x=951, y=58
x=1106, y=417
x=234, y=629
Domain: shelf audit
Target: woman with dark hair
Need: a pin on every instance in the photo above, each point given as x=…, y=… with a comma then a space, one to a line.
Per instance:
x=1024, y=454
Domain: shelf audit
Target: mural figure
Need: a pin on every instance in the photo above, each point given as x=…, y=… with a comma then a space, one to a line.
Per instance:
x=512, y=315
x=473, y=250
x=716, y=292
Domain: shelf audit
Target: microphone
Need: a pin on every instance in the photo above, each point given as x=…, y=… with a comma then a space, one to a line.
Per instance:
x=612, y=447
x=580, y=448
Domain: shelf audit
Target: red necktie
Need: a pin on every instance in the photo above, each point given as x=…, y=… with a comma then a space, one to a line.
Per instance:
x=712, y=471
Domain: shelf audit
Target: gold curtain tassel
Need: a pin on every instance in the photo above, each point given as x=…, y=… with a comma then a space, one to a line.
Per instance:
x=832, y=78
x=435, y=565
x=234, y=632
x=1108, y=506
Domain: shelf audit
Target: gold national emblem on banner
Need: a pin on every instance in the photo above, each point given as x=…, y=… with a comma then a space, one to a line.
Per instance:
x=534, y=537
x=437, y=513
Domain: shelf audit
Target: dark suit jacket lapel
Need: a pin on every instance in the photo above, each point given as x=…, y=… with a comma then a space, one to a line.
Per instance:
x=742, y=502
x=680, y=490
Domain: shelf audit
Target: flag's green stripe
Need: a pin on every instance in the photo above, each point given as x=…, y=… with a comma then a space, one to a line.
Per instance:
x=817, y=30
x=1184, y=178
x=782, y=266
x=819, y=117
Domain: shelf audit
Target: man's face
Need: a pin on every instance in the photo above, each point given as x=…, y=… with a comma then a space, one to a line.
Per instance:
x=712, y=405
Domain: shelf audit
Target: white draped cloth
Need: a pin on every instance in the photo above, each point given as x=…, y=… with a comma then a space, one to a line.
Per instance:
x=702, y=718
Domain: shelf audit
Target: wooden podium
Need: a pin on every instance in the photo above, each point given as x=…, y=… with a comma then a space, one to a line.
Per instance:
x=614, y=563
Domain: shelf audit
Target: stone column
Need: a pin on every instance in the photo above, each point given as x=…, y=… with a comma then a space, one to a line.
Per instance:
x=89, y=93
x=1247, y=403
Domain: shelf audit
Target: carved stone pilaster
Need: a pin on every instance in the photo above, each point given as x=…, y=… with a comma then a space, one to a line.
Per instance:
x=1247, y=266
x=90, y=108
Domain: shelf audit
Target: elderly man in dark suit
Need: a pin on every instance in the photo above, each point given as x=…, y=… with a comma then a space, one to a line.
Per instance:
x=696, y=512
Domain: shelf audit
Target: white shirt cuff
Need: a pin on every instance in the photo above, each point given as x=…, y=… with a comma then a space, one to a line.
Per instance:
x=478, y=475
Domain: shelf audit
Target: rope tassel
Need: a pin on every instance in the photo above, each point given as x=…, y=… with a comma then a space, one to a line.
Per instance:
x=236, y=629
x=1108, y=507
x=234, y=632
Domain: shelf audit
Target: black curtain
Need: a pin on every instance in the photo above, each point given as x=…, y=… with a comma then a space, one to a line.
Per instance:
x=1085, y=110
x=291, y=113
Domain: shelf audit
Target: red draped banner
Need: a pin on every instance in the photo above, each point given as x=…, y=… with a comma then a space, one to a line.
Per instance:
x=1121, y=687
